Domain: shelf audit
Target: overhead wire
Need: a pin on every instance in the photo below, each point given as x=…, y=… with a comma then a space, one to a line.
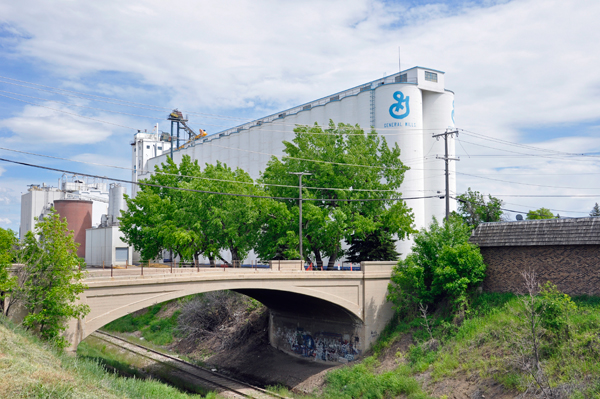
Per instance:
x=206, y=178
x=212, y=192
x=71, y=113
x=124, y=102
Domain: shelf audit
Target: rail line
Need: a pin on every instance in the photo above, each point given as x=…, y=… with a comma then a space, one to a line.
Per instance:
x=225, y=386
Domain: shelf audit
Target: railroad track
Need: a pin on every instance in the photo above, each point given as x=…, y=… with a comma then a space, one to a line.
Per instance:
x=225, y=386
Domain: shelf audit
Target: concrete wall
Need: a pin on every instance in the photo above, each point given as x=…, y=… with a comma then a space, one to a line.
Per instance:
x=318, y=340
x=32, y=205
x=101, y=244
x=575, y=269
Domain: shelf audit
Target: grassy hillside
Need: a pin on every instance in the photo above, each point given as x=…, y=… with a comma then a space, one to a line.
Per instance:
x=485, y=352
x=29, y=369
x=481, y=355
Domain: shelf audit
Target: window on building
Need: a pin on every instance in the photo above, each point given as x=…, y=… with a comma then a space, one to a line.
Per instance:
x=402, y=78
x=430, y=76
x=160, y=147
x=121, y=254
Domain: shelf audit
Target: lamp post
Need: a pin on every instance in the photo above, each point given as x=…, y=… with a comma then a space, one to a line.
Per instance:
x=300, y=174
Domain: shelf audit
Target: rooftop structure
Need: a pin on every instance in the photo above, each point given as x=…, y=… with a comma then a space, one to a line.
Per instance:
x=568, y=231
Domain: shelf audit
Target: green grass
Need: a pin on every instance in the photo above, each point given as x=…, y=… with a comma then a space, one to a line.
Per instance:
x=129, y=364
x=359, y=381
x=30, y=369
x=154, y=329
x=487, y=345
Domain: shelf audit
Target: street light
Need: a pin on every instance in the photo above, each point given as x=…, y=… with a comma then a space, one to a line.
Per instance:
x=300, y=174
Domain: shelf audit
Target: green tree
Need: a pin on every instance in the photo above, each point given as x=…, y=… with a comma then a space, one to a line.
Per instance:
x=376, y=246
x=595, y=210
x=8, y=243
x=542, y=213
x=442, y=264
x=52, y=282
x=332, y=157
x=160, y=217
x=474, y=209
x=180, y=208
x=231, y=223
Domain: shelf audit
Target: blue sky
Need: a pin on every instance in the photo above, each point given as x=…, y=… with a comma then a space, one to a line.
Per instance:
x=523, y=71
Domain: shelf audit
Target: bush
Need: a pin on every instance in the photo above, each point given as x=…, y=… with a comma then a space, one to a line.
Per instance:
x=555, y=308
x=442, y=264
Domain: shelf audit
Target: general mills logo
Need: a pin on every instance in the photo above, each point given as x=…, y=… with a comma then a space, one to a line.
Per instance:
x=396, y=109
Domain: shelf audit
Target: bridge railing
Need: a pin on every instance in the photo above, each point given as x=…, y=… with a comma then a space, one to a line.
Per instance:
x=176, y=267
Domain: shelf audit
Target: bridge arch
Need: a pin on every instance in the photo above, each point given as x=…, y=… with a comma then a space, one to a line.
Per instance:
x=338, y=297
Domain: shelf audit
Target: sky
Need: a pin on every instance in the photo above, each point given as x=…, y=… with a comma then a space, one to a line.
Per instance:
x=527, y=95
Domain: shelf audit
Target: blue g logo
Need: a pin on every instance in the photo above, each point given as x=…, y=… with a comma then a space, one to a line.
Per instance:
x=395, y=109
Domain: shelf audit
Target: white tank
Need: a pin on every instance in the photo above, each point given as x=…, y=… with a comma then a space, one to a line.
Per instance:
x=116, y=202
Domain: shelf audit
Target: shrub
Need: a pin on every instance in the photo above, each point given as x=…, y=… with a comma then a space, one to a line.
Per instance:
x=442, y=264
x=555, y=308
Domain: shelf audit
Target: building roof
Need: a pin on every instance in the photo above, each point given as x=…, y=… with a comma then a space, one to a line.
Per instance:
x=569, y=231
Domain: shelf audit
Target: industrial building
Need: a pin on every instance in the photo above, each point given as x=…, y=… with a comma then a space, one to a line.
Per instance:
x=407, y=107
x=88, y=205
x=104, y=245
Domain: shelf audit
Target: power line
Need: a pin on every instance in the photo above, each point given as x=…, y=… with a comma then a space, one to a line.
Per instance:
x=213, y=192
x=527, y=184
x=132, y=104
x=113, y=99
x=71, y=113
x=479, y=135
x=206, y=178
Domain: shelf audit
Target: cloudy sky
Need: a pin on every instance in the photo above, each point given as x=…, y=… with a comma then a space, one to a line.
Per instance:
x=524, y=73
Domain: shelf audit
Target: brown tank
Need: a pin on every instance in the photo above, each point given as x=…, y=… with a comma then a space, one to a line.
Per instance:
x=79, y=218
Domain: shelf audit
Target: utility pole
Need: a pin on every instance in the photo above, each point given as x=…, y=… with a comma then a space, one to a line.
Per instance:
x=300, y=174
x=446, y=158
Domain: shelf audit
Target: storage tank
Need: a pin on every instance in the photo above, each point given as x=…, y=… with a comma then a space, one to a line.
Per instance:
x=79, y=218
x=116, y=202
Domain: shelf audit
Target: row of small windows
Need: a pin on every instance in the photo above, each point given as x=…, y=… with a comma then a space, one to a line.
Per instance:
x=148, y=147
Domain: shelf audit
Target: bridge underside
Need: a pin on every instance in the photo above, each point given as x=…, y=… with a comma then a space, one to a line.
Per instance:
x=323, y=315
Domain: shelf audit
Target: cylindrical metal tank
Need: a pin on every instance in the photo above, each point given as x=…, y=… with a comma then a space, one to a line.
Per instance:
x=116, y=202
x=79, y=218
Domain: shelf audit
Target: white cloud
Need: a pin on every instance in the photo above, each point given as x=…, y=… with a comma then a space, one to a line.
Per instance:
x=42, y=125
x=513, y=65
x=5, y=221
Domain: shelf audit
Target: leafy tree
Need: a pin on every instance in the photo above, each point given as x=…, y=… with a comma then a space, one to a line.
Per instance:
x=230, y=222
x=442, y=264
x=474, y=209
x=194, y=223
x=376, y=246
x=159, y=218
x=331, y=156
x=8, y=242
x=52, y=282
x=542, y=213
x=595, y=210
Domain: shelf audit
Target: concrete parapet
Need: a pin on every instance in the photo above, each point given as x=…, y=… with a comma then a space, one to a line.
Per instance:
x=286, y=264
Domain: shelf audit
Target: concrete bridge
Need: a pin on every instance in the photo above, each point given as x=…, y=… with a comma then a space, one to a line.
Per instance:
x=336, y=308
